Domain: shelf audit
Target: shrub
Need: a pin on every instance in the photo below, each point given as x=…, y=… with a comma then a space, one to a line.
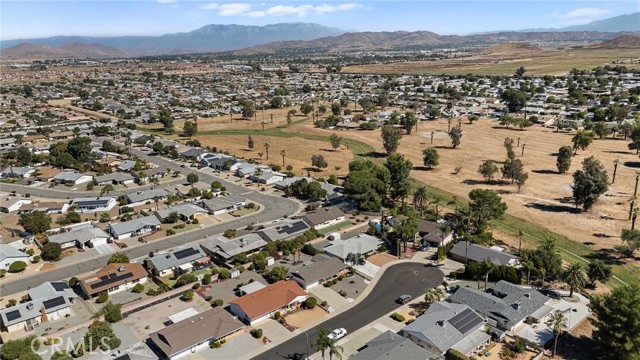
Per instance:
x=256, y=333
x=138, y=288
x=343, y=293
x=397, y=317
x=170, y=232
x=187, y=295
x=455, y=355
x=277, y=315
x=11, y=302
x=519, y=346
x=208, y=298
x=111, y=312
x=215, y=345
x=224, y=274
x=102, y=297
x=250, y=206
x=51, y=251
x=185, y=279
x=310, y=303
x=30, y=252
x=73, y=281
x=323, y=303
x=409, y=321
x=218, y=302
x=206, y=279
x=195, y=221
x=36, y=259
x=309, y=250
x=240, y=268
x=230, y=233
x=196, y=286
x=17, y=266
x=3, y=272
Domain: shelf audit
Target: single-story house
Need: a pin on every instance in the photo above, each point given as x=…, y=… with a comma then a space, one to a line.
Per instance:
x=150, y=174
x=224, y=249
x=73, y=178
x=245, y=169
x=47, y=173
x=479, y=253
x=46, y=207
x=17, y=172
x=116, y=178
x=223, y=204
x=9, y=204
x=348, y=250
x=135, y=227
x=266, y=177
x=80, y=236
x=318, y=270
x=323, y=217
x=186, y=211
x=431, y=232
x=113, y=278
x=389, y=346
x=284, y=229
x=283, y=296
x=195, y=333
x=142, y=197
x=447, y=326
x=9, y=255
x=126, y=165
x=94, y=204
x=27, y=315
x=51, y=289
x=175, y=262
x=505, y=304
x=251, y=288
x=183, y=190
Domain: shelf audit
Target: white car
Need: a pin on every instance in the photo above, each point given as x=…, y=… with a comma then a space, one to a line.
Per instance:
x=337, y=334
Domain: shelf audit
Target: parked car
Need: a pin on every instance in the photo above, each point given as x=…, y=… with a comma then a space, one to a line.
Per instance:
x=424, y=247
x=337, y=334
x=403, y=299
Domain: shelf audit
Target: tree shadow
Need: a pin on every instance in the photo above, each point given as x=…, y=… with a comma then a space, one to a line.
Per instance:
x=441, y=147
x=553, y=208
x=507, y=128
x=503, y=192
x=565, y=200
x=484, y=182
x=375, y=155
x=619, y=152
x=632, y=164
x=422, y=168
x=609, y=256
x=581, y=347
x=545, y=171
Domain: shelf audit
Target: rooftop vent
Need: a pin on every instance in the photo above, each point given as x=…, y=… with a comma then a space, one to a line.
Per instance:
x=30, y=306
x=122, y=268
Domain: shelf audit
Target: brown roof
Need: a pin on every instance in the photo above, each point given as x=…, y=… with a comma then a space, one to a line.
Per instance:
x=112, y=275
x=430, y=231
x=211, y=324
x=270, y=298
x=322, y=215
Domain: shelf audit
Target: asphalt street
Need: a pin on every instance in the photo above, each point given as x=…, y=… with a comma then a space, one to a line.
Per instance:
x=274, y=207
x=404, y=278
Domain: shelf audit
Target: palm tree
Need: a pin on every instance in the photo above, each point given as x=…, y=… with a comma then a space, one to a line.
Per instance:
x=322, y=341
x=634, y=217
x=487, y=268
x=334, y=349
x=419, y=197
x=434, y=295
x=106, y=189
x=436, y=200
x=528, y=265
x=632, y=203
x=156, y=199
x=283, y=153
x=616, y=162
x=266, y=148
x=557, y=321
x=574, y=277
x=520, y=236
x=155, y=181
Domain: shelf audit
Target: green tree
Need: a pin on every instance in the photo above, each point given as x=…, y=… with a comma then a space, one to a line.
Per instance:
x=71, y=217
x=520, y=72
x=277, y=273
x=515, y=99
x=321, y=343
x=118, y=258
x=61, y=355
x=192, y=178
x=335, y=141
x=336, y=108
x=166, y=118
x=430, y=157
x=631, y=242
x=617, y=323
x=21, y=349
x=434, y=295
x=456, y=135
x=511, y=169
x=37, y=222
x=487, y=205
x=106, y=189
x=318, y=161
x=488, y=169
x=409, y=121
x=634, y=134
x=266, y=148
x=563, y=163
x=598, y=270
x=420, y=197
x=589, y=183
x=111, y=312
x=250, y=143
x=190, y=128
x=367, y=184
x=581, y=140
x=399, y=168
x=307, y=107
x=101, y=335
x=51, y=251
x=391, y=137
x=558, y=323
x=574, y=277
x=24, y=157
x=406, y=230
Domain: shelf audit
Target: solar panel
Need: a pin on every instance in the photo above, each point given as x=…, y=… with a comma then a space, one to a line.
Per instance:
x=293, y=228
x=466, y=321
x=60, y=286
x=13, y=315
x=181, y=254
x=48, y=304
x=113, y=278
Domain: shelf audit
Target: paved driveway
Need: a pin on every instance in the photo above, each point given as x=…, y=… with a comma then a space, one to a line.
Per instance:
x=103, y=249
x=404, y=278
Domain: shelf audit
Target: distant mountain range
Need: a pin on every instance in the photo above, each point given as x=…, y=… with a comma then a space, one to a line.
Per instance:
x=298, y=36
x=210, y=38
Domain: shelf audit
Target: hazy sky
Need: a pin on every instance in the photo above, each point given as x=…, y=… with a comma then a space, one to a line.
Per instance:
x=28, y=19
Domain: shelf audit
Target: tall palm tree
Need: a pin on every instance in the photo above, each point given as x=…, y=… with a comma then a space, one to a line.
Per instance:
x=436, y=200
x=419, y=197
x=156, y=199
x=283, y=153
x=334, y=349
x=322, y=341
x=487, y=268
x=616, y=162
x=266, y=148
x=155, y=181
x=528, y=265
x=106, y=189
x=574, y=276
x=557, y=321
x=520, y=236
x=632, y=204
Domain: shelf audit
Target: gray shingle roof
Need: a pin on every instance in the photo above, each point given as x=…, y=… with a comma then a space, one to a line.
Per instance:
x=133, y=225
x=171, y=260
x=222, y=202
x=283, y=230
x=184, y=209
x=322, y=267
x=227, y=248
x=68, y=176
x=7, y=252
x=390, y=346
x=479, y=253
x=81, y=235
x=117, y=176
x=146, y=195
x=359, y=244
x=501, y=305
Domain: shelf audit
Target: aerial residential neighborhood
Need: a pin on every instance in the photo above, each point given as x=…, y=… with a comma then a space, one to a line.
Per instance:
x=248, y=188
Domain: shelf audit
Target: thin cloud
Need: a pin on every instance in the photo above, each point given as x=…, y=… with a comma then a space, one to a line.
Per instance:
x=211, y=6
x=586, y=12
x=304, y=10
x=255, y=14
x=233, y=9
x=165, y=1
